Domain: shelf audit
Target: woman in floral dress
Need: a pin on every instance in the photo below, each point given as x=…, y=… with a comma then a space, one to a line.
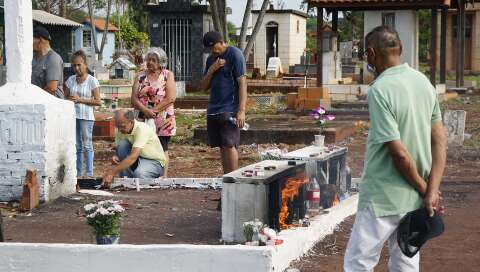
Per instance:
x=153, y=95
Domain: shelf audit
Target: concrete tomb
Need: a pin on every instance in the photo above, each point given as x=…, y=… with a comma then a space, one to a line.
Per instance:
x=37, y=130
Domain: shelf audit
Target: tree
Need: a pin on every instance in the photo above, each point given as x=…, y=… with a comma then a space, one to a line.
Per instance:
x=219, y=16
x=218, y=9
x=424, y=21
x=351, y=26
x=243, y=31
x=129, y=37
x=91, y=12
x=65, y=8
x=138, y=14
x=256, y=28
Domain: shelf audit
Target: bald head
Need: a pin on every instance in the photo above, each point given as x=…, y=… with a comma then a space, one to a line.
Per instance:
x=384, y=40
x=124, y=120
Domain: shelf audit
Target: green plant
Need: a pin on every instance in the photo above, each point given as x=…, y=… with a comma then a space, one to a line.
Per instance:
x=130, y=35
x=186, y=123
x=104, y=217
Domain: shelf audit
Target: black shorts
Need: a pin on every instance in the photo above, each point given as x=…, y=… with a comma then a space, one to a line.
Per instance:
x=164, y=140
x=221, y=131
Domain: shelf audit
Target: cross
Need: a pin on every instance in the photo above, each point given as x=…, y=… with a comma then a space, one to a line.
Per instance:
x=18, y=40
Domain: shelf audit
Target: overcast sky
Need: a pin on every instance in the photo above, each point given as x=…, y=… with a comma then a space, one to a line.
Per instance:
x=238, y=8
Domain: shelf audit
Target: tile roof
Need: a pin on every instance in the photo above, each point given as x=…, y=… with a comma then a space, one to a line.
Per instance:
x=100, y=24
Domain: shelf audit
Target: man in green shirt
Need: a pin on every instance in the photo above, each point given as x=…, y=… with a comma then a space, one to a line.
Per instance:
x=139, y=153
x=405, y=156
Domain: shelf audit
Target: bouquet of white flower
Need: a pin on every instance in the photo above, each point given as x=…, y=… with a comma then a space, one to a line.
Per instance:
x=252, y=227
x=105, y=218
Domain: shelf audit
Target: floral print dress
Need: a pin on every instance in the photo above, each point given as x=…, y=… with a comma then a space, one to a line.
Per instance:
x=150, y=94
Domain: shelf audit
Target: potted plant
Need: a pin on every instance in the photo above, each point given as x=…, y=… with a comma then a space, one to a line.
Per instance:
x=322, y=119
x=105, y=218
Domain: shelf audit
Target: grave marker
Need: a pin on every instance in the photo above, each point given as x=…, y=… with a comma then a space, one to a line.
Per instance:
x=454, y=121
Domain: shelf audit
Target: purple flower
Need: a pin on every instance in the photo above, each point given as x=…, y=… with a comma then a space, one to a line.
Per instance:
x=330, y=117
x=320, y=110
x=314, y=115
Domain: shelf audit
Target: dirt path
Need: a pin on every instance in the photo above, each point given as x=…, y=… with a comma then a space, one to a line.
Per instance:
x=456, y=250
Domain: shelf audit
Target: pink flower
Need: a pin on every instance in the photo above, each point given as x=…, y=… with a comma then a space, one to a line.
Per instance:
x=314, y=115
x=320, y=110
x=330, y=117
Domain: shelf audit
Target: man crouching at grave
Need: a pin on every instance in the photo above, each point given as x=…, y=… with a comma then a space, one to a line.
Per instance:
x=405, y=156
x=139, y=153
x=225, y=77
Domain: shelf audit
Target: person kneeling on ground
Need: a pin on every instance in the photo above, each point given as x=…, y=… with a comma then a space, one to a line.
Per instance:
x=139, y=153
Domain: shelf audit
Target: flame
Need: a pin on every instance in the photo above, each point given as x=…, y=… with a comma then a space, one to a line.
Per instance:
x=336, y=200
x=289, y=192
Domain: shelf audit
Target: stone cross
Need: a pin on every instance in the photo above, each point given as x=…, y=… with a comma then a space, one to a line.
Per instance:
x=454, y=121
x=18, y=40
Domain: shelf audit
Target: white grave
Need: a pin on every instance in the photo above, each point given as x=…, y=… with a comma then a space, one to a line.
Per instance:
x=246, y=198
x=274, y=67
x=181, y=91
x=454, y=121
x=37, y=130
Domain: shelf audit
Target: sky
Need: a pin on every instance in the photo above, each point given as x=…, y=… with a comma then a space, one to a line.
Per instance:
x=238, y=8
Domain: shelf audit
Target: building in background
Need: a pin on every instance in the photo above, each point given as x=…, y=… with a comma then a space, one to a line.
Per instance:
x=472, y=39
x=282, y=35
x=178, y=28
x=405, y=22
x=84, y=40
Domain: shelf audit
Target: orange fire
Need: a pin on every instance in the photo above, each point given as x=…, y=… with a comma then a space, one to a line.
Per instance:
x=336, y=200
x=290, y=191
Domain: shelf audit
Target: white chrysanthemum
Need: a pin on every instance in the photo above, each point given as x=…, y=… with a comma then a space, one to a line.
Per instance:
x=92, y=215
x=103, y=211
x=89, y=207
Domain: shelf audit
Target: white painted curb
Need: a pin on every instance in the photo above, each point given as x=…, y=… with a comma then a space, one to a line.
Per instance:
x=298, y=241
x=25, y=257
x=133, y=258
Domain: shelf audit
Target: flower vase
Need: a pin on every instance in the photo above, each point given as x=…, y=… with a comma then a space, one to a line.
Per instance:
x=107, y=240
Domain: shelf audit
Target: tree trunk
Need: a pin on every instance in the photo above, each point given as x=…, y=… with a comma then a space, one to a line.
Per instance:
x=215, y=15
x=105, y=31
x=47, y=6
x=243, y=32
x=63, y=8
x=99, y=51
x=222, y=12
x=92, y=25
x=258, y=23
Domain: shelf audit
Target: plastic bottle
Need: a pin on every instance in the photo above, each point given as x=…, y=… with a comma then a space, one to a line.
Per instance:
x=233, y=120
x=313, y=194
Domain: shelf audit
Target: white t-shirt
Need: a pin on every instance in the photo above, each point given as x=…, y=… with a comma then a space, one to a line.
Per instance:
x=83, y=90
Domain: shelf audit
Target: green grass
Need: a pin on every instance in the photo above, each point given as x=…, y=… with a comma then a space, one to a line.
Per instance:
x=473, y=143
x=425, y=68
x=198, y=93
x=186, y=123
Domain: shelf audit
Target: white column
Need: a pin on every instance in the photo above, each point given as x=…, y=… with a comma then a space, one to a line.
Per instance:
x=18, y=40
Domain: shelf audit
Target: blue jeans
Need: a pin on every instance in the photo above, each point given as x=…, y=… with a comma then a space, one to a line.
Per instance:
x=142, y=168
x=84, y=146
